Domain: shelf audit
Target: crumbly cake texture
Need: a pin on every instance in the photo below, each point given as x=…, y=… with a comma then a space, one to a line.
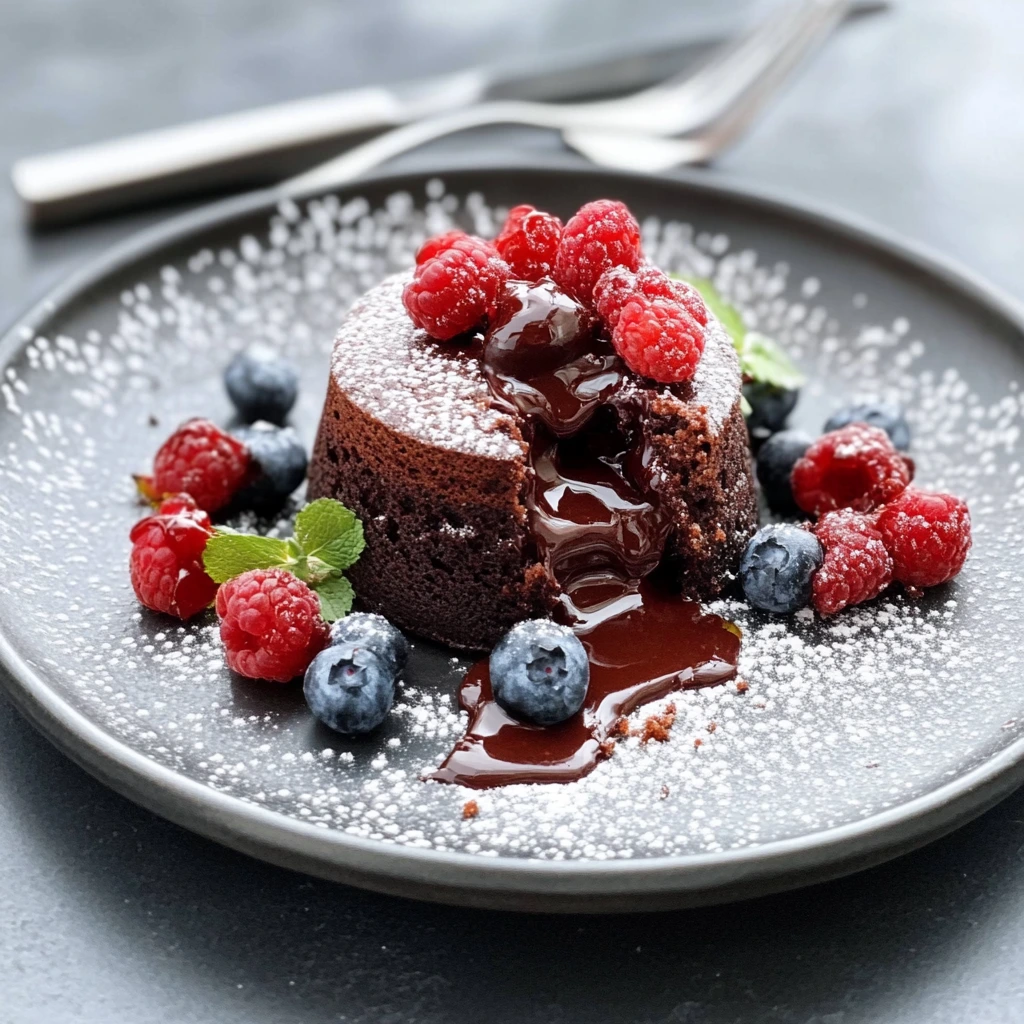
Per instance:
x=410, y=439
x=829, y=722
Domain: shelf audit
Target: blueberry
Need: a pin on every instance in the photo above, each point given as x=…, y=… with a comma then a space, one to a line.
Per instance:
x=350, y=688
x=540, y=672
x=888, y=416
x=262, y=384
x=280, y=463
x=770, y=406
x=376, y=633
x=775, y=461
x=777, y=567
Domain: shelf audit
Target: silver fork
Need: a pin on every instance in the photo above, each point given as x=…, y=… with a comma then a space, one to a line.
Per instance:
x=683, y=120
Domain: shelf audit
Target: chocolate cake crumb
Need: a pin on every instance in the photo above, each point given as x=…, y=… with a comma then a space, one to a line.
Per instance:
x=742, y=687
x=712, y=726
x=470, y=809
x=607, y=748
x=658, y=727
x=698, y=742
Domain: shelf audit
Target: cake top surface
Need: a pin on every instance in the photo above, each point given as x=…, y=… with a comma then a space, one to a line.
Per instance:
x=431, y=391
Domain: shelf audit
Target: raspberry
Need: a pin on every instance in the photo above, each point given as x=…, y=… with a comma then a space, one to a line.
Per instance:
x=658, y=339
x=602, y=234
x=271, y=625
x=201, y=460
x=928, y=536
x=856, y=567
x=432, y=246
x=618, y=284
x=528, y=242
x=166, y=562
x=452, y=290
x=854, y=467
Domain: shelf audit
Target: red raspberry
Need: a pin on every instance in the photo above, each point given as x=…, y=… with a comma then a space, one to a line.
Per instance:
x=928, y=536
x=618, y=284
x=602, y=234
x=166, y=562
x=528, y=242
x=856, y=567
x=271, y=625
x=854, y=467
x=198, y=459
x=451, y=292
x=658, y=339
x=438, y=243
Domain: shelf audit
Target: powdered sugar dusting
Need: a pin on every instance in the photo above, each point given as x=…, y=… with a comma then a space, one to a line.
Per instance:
x=830, y=722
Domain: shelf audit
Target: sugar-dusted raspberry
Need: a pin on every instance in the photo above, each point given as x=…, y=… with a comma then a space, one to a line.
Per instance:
x=657, y=338
x=619, y=284
x=602, y=234
x=201, y=460
x=928, y=536
x=438, y=243
x=271, y=625
x=856, y=566
x=166, y=563
x=528, y=242
x=854, y=467
x=452, y=290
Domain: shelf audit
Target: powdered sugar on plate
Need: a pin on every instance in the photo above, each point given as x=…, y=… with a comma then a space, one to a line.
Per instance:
x=831, y=722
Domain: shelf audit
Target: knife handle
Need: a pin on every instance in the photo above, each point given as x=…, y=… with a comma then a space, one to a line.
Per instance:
x=251, y=147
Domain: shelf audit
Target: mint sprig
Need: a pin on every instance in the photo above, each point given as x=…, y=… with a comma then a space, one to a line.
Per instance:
x=328, y=540
x=761, y=359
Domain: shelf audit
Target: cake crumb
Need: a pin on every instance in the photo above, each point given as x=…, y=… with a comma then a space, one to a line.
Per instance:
x=658, y=727
x=470, y=809
x=742, y=687
x=607, y=748
x=712, y=726
x=664, y=793
x=698, y=742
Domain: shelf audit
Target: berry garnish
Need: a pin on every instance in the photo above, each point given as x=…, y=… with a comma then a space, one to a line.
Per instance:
x=432, y=246
x=854, y=467
x=618, y=284
x=887, y=416
x=540, y=672
x=928, y=536
x=658, y=339
x=535, y=328
x=775, y=461
x=453, y=289
x=528, y=242
x=350, y=685
x=349, y=688
x=778, y=566
x=770, y=406
x=857, y=566
x=270, y=624
x=262, y=384
x=328, y=539
x=373, y=631
x=279, y=464
x=602, y=234
x=201, y=460
x=166, y=562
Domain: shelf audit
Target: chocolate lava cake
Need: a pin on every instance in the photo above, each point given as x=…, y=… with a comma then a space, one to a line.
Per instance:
x=421, y=439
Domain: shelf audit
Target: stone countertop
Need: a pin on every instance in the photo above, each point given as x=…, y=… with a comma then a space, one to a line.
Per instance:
x=909, y=119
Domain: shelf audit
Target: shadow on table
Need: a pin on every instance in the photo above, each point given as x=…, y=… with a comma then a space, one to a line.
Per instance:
x=307, y=950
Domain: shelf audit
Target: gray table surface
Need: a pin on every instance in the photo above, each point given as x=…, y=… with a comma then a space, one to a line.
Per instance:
x=108, y=914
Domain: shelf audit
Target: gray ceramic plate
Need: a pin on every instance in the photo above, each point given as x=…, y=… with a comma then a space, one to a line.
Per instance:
x=857, y=739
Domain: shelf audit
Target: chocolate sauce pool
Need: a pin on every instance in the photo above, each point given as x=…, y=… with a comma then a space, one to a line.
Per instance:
x=599, y=530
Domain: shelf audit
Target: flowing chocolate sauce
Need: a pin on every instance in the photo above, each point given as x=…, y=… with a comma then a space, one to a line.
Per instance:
x=599, y=530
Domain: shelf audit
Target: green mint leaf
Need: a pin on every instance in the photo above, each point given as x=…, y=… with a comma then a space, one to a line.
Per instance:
x=328, y=531
x=335, y=596
x=229, y=554
x=724, y=312
x=764, y=361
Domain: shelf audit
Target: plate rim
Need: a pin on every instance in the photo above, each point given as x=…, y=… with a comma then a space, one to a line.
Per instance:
x=502, y=881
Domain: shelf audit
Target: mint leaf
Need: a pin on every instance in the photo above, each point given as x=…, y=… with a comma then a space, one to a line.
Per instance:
x=228, y=555
x=764, y=361
x=336, y=596
x=329, y=532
